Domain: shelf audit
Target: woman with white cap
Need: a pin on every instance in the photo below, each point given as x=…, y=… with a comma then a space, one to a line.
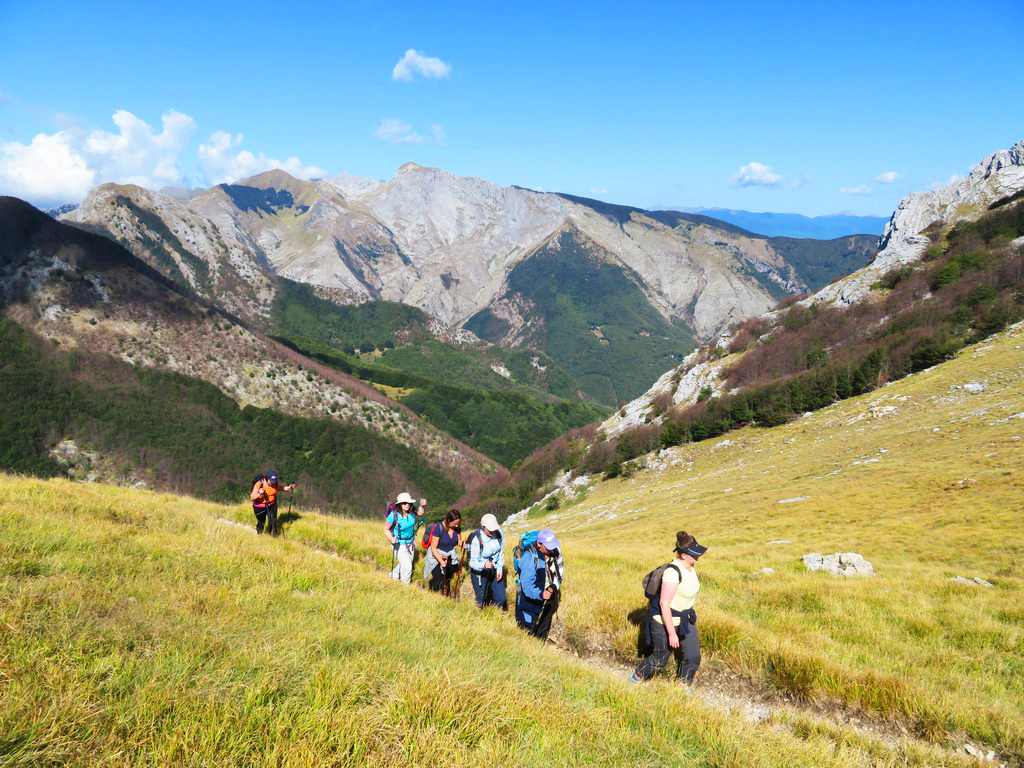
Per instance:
x=400, y=528
x=487, y=563
x=671, y=621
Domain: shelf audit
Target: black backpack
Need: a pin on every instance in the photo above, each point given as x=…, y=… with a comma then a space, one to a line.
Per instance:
x=258, y=478
x=652, y=581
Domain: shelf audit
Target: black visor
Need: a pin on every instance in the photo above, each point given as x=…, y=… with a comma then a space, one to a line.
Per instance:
x=694, y=550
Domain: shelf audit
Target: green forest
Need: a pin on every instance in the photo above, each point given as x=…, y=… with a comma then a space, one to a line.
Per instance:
x=505, y=424
x=184, y=434
x=597, y=323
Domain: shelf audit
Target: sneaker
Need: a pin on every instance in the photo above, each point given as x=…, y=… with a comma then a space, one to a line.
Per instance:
x=633, y=678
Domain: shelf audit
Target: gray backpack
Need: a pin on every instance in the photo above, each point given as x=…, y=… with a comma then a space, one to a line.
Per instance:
x=652, y=581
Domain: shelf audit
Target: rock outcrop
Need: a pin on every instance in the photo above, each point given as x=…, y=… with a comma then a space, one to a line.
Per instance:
x=839, y=564
x=998, y=177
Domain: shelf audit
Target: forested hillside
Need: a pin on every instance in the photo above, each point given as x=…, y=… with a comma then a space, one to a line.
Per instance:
x=171, y=431
x=504, y=415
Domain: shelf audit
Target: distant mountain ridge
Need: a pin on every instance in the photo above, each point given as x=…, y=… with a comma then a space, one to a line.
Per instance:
x=446, y=243
x=797, y=225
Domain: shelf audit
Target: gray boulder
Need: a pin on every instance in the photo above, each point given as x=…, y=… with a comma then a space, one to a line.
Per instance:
x=839, y=564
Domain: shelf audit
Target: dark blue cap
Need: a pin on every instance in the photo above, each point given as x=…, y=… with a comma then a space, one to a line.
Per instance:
x=695, y=550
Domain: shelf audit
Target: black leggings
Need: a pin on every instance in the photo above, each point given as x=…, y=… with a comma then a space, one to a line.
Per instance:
x=266, y=516
x=441, y=578
x=687, y=654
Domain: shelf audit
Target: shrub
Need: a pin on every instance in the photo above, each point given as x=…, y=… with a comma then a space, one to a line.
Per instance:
x=895, y=276
x=948, y=275
x=674, y=433
x=705, y=392
x=932, y=252
x=661, y=403
x=789, y=301
x=597, y=458
x=637, y=442
x=817, y=356
x=931, y=351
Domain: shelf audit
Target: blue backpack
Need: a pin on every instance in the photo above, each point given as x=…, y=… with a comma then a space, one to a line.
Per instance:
x=527, y=543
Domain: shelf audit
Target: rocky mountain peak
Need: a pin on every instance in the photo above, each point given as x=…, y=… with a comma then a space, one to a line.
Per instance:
x=995, y=181
x=997, y=177
x=411, y=167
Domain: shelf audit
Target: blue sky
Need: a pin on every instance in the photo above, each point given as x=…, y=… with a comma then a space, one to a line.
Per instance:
x=800, y=108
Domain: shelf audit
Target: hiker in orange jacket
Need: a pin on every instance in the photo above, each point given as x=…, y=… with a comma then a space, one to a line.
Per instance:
x=264, y=501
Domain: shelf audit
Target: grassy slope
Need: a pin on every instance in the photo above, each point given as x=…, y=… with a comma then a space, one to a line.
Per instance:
x=135, y=629
x=923, y=478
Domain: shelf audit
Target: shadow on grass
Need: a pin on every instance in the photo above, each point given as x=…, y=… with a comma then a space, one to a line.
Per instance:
x=638, y=618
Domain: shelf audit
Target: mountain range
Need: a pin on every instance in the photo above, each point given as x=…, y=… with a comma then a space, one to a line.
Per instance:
x=442, y=328
x=471, y=254
x=796, y=225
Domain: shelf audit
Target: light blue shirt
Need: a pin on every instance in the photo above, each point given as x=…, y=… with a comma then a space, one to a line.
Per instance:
x=405, y=526
x=484, y=548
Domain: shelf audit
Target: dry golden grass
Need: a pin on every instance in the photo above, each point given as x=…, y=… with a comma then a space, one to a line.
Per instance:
x=922, y=478
x=141, y=629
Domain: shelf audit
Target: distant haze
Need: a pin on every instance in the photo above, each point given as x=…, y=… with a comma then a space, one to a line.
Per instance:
x=797, y=225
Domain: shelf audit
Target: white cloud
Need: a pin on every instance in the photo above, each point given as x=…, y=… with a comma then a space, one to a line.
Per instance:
x=860, y=189
x=889, y=177
x=397, y=132
x=63, y=166
x=48, y=170
x=756, y=175
x=136, y=155
x=222, y=165
x=415, y=63
x=400, y=132
x=598, y=191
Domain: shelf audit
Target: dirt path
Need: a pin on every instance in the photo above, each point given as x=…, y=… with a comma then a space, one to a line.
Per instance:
x=737, y=695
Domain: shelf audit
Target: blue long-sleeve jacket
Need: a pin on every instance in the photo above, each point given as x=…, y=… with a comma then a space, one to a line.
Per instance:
x=484, y=548
x=532, y=576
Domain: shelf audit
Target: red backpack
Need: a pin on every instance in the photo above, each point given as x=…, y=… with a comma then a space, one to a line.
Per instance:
x=432, y=529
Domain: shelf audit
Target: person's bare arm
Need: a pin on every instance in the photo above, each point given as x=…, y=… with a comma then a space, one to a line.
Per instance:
x=668, y=591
